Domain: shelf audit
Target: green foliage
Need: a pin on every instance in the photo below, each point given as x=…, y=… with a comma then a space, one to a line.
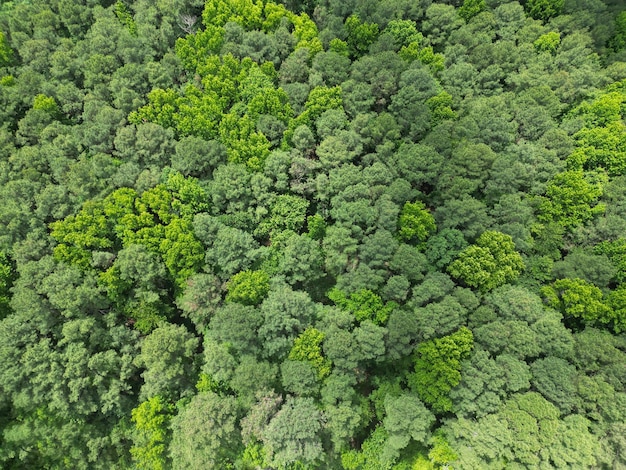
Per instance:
x=371, y=456
x=308, y=347
x=416, y=223
x=360, y=35
x=248, y=287
x=544, y=9
x=218, y=13
x=47, y=104
x=441, y=453
x=305, y=31
x=233, y=96
x=253, y=456
x=601, y=147
x=286, y=313
x=292, y=435
x=80, y=234
x=548, y=42
x=125, y=17
x=616, y=252
x=167, y=355
x=205, y=433
x=438, y=368
x=444, y=247
x=601, y=142
x=319, y=100
x=404, y=32
x=440, y=107
x=617, y=41
x=363, y=304
x=159, y=219
x=471, y=8
x=7, y=80
x=410, y=52
x=181, y=251
x=491, y=262
x=434, y=60
x=287, y=213
x=174, y=172
x=151, y=433
x=525, y=432
x=6, y=53
x=406, y=419
x=580, y=299
x=7, y=278
x=339, y=46
x=316, y=226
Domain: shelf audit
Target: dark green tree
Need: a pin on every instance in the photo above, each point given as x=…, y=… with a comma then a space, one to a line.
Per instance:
x=205, y=433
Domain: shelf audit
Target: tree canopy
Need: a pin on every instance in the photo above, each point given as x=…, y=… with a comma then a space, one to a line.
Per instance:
x=360, y=235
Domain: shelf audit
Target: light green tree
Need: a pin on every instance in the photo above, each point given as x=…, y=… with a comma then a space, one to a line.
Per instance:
x=490, y=262
x=248, y=287
x=438, y=368
x=151, y=434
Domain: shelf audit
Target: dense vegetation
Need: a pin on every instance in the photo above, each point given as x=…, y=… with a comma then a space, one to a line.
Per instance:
x=339, y=234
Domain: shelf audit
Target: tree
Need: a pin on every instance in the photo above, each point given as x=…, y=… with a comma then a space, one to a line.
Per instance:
x=444, y=246
x=236, y=325
x=415, y=222
x=239, y=171
x=471, y=8
x=525, y=431
x=248, y=287
x=6, y=53
x=466, y=214
x=251, y=378
x=332, y=66
x=617, y=42
x=350, y=348
x=371, y=455
x=299, y=378
x=517, y=323
x=230, y=251
x=406, y=419
x=286, y=213
x=571, y=198
x=302, y=261
x=544, y=9
x=440, y=318
x=7, y=278
x=151, y=436
x=488, y=381
x=438, y=368
x=404, y=32
x=287, y=314
x=360, y=35
x=138, y=284
x=491, y=262
x=555, y=379
x=293, y=434
x=581, y=264
x=363, y=304
x=200, y=299
x=402, y=334
x=205, y=433
x=197, y=157
x=580, y=299
x=168, y=357
x=308, y=348
x=548, y=42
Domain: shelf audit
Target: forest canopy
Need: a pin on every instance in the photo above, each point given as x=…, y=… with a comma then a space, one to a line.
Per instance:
x=352, y=235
